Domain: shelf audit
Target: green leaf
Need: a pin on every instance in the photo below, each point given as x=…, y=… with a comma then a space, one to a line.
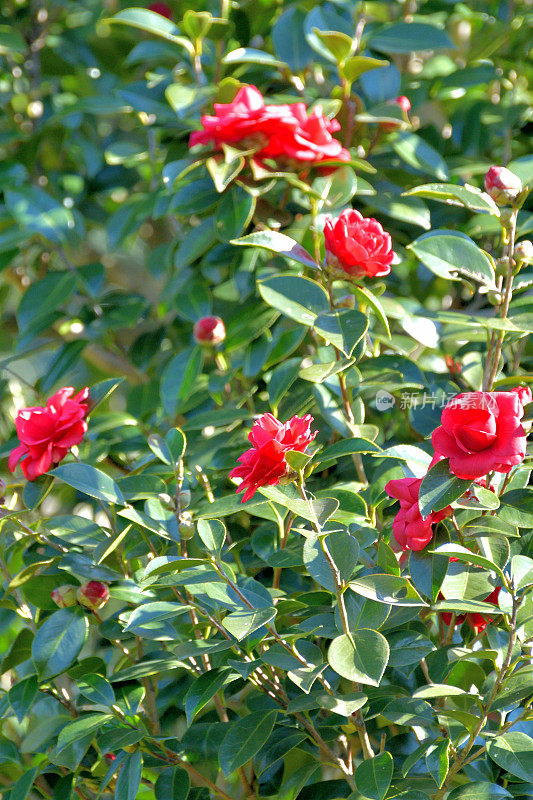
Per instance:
x=80, y=728
x=355, y=66
x=344, y=328
x=449, y=254
x=513, y=752
x=151, y=22
x=154, y=620
x=213, y=533
x=427, y=572
x=290, y=44
x=100, y=391
x=97, y=689
x=466, y=555
x=58, y=642
x=21, y=787
x=21, y=696
x=90, y=481
x=440, y=488
x=204, y=688
x=416, y=152
x=365, y=663
x=278, y=243
x=409, y=712
x=406, y=37
x=224, y=172
x=129, y=777
x=391, y=589
x=318, y=373
x=242, y=623
x=479, y=790
x=177, y=443
x=281, y=380
x=346, y=447
x=172, y=784
x=179, y=378
x=38, y=213
x=196, y=242
x=249, y=55
x=298, y=298
x=159, y=447
x=465, y=196
x=438, y=761
x=234, y=213
x=244, y=739
x=373, y=776
x=344, y=550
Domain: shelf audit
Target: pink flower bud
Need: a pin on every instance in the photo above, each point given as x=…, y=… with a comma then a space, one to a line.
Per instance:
x=93, y=594
x=404, y=103
x=524, y=251
x=110, y=757
x=502, y=185
x=209, y=330
x=64, y=596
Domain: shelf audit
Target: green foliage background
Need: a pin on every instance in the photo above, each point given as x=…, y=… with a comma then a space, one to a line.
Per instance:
x=211, y=671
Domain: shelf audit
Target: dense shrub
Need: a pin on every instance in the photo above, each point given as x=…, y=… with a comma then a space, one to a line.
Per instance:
x=267, y=529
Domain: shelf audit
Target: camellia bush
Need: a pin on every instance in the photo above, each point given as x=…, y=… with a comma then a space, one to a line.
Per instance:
x=265, y=400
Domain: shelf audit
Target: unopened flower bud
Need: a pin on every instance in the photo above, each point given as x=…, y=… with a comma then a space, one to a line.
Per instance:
x=209, y=331
x=404, y=104
x=186, y=530
x=64, y=596
x=93, y=594
x=523, y=252
x=502, y=185
x=494, y=297
x=346, y=301
x=166, y=500
x=110, y=757
x=184, y=498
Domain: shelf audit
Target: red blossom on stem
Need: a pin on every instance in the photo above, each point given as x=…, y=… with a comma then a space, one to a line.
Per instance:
x=358, y=245
x=47, y=433
x=264, y=464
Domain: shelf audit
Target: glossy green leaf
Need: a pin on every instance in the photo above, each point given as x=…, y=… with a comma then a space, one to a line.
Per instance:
x=362, y=659
x=58, y=641
x=373, y=776
x=90, y=481
x=278, y=243
x=244, y=739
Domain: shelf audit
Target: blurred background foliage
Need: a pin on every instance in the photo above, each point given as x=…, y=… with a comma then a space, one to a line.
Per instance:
x=114, y=240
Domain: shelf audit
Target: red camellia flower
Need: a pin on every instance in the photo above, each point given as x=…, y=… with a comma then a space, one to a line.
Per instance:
x=209, y=330
x=246, y=120
x=161, y=8
x=358, y=245
x=282, y=131
x=93, y=594
x=478, y=622
x=524, y=393
x=502, y=185
x=480, y=432
x=411, y=531
x=310, y=141
x=47, y=434
x=264, y=463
